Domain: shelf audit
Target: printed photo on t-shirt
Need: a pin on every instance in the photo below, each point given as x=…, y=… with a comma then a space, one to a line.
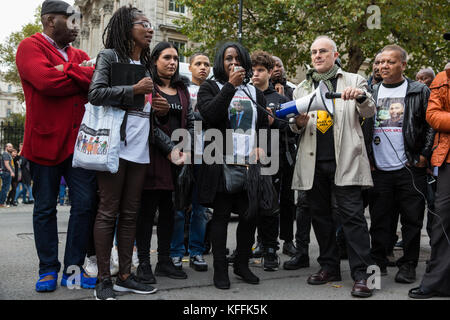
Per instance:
x=241, y=115
x=390, y=112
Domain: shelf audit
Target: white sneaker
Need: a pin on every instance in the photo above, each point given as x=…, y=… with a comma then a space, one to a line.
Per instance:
x=177, y=262
x=114, y=262
x=91, y=266
x=135, y=259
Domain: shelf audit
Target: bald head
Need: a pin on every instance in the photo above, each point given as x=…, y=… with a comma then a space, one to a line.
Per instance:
x=327, y=39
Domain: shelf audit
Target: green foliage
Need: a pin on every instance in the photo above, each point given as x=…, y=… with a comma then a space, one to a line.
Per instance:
x=12, y=129
x=8, y=51
x=16, y=120
x=286, y=28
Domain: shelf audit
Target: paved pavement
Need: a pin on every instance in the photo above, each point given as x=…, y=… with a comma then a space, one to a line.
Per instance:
x=19, y=271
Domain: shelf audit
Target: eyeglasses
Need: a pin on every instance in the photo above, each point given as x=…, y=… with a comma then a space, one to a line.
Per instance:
x=321, y=51
x=145, y=24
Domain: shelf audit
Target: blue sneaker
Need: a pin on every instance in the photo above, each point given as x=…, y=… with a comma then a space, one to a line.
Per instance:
x=85, y=281
x=48, y=285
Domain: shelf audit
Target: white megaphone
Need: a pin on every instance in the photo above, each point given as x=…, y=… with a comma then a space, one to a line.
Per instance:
x=312, y=102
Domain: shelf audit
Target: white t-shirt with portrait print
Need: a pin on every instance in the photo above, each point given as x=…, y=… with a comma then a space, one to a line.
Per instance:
x=137, y=131
x=388, y=145
x=242, y=114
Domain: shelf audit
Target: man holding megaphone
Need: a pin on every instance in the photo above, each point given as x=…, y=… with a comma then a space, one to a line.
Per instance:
x=332, y=158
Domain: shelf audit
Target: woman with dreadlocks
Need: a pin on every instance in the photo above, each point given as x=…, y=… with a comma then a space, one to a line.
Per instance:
x=126, y=39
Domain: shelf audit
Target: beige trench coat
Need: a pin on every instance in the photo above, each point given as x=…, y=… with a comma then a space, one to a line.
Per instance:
x=352, y=163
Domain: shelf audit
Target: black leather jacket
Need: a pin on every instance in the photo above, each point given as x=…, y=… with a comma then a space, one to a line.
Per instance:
x=102, y=93
x=417, y=134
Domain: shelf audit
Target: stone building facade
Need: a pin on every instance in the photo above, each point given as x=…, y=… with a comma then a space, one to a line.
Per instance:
x=9, y=103
x=96, y=14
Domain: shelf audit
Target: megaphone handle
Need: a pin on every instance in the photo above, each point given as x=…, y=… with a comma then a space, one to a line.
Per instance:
x=310, y=103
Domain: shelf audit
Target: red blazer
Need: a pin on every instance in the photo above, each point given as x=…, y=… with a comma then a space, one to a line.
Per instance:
x=54, y=100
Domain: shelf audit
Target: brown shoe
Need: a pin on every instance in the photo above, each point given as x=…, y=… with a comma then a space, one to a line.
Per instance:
x=323, y=277
x=361, y=290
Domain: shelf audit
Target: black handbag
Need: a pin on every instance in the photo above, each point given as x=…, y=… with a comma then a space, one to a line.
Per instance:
x=234, y=177
x=263, y=198
x=183, y=187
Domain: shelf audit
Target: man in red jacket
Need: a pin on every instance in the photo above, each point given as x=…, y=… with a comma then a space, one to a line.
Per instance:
x=55, y=88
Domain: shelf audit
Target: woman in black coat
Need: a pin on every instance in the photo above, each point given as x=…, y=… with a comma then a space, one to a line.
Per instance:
x=224, y=104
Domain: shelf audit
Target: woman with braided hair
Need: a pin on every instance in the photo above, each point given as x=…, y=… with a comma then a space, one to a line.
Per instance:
x=126, y=38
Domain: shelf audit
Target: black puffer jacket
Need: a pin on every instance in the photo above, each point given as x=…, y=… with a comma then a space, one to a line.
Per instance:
x=101, y=93
x=417, y=134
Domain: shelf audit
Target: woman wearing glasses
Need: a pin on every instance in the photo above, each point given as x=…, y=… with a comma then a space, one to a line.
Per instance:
x=126, y=39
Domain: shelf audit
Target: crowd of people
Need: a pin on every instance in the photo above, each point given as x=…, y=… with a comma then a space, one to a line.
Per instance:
x=15, y=178
x=384, y=146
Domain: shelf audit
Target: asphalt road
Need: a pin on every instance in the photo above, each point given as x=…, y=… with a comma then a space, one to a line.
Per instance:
x=19, y=271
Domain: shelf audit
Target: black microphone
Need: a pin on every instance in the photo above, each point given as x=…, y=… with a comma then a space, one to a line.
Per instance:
x=333, y=95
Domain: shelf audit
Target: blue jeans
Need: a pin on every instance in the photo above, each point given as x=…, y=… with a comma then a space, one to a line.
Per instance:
x=197, y=230
x=23, y=192
x=6, y=184
x=82, y=190
x=62, y=193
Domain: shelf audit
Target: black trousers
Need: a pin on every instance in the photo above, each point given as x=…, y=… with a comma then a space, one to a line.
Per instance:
x=268, y=230
x=153, y=200
x=350, y=215
x=394, y=191
x=12, y=193
x=223, y=205
x=303, y=222
x=437, y=275
x=283, y=183
x=431, y=198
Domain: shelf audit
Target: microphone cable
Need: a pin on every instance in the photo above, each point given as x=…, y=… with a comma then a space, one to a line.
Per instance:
x=261, y=107
x=414, y=185
x=309, y=106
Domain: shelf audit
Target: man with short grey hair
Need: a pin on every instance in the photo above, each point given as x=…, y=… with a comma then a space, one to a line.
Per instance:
x=426, y=76
x=332, y=159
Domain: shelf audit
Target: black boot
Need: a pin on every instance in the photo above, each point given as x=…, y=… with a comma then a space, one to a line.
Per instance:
x=242, y=270
x=221, y=280
x=165, y=268
x=289, y=248
x=296, y=262
x=231, y=258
